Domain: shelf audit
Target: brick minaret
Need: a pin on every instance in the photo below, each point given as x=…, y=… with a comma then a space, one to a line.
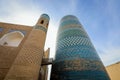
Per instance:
x=28, y=61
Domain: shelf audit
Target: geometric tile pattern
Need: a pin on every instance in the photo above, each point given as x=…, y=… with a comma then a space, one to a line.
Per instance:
x=22, y=31
x=41, y=28
x=76, y=57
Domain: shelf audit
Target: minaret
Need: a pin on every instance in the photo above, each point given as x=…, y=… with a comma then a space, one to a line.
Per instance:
x=28, y=61
x=43, y=22
x=76, y=57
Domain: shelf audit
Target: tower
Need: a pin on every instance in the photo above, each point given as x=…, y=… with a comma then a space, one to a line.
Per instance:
x=27, y=63
x=43, y=22
x=76, y=57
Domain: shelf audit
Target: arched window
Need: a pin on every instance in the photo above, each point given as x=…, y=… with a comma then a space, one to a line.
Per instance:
x=12, y=39
x=47, y=25
x=42, y=22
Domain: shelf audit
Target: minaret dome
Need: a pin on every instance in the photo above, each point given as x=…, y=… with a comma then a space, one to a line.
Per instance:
x=43, y=21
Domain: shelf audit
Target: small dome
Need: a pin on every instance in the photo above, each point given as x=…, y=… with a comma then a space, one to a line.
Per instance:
x=69, y=17
x=68, y=21
x=45, y=16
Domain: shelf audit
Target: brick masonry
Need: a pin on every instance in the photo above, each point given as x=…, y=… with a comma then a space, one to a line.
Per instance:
x=23, y=62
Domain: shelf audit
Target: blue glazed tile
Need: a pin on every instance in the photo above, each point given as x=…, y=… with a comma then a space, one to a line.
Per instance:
x=1, y=29
x=76, y=57
x=22, y=31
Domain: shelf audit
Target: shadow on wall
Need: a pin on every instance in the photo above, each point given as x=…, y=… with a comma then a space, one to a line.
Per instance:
x=12, y=39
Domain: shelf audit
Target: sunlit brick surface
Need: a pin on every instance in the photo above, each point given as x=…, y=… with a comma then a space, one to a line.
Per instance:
x=23, y=62
x=114, y=71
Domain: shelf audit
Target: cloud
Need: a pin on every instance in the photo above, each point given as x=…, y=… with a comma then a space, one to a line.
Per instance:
x=110, y=56
x=51, y=39
x=105, y=31
x=73, y=5
x=19, y=13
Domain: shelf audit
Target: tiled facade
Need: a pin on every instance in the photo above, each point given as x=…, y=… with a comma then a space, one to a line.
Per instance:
x=23, y=62
x=76, y=57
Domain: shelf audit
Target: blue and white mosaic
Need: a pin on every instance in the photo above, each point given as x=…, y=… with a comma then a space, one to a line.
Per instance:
x=76, y=57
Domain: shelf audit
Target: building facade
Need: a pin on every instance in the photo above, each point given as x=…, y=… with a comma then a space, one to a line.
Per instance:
x=76, y=57
x=114, y=71
x=22, y=50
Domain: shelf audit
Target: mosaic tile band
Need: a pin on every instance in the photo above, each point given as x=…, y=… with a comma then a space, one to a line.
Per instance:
x=41, y=28
x=76, y=57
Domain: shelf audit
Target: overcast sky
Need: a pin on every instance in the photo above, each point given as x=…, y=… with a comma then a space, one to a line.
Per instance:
x=100, y=18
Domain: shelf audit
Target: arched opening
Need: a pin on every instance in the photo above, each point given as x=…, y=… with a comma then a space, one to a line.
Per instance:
x=42, y=22
x=12, y=39
x=47, y=25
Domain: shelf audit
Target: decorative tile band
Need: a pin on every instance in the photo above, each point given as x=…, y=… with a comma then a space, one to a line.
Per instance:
x=12, y=30
x=41, y=28
x=76, y=57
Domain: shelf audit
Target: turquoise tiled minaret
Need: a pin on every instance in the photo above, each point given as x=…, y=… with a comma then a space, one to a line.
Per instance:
x=76, y=57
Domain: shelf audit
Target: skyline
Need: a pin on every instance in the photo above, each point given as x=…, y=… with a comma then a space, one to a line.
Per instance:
x=100, y=19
